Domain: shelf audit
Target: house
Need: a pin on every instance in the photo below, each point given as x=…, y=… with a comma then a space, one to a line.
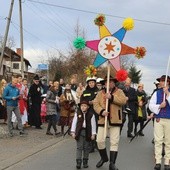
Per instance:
x=12, y=65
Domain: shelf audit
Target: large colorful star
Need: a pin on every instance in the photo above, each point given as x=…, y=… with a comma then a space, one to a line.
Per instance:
x=110, y=47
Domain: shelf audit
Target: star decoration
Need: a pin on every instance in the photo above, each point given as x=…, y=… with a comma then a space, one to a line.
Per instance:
x=110, y=47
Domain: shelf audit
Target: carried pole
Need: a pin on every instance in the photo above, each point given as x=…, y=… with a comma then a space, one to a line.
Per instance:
x=6, y=33
x=167, y=70
x=139, y=131
x=21, y=39
x=107, y=100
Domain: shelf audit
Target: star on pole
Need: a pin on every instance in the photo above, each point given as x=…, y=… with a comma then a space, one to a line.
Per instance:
x=110, y=47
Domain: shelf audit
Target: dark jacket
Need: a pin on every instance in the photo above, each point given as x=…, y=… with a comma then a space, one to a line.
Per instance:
x=143, y=97
x=89, y=94
x=131, y=94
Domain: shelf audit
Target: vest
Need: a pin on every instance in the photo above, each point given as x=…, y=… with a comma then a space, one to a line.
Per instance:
x=79, y=126
x=164, y=112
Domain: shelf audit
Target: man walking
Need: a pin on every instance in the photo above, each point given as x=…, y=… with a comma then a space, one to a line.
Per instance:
x=116, y=99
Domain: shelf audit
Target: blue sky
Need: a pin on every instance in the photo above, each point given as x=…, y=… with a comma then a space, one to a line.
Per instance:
x=50, y=27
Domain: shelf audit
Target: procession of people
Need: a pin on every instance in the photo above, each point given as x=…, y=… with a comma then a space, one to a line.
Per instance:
x=85, y=119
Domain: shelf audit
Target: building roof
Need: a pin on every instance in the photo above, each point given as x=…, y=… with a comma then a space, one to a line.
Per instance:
x=15, y=56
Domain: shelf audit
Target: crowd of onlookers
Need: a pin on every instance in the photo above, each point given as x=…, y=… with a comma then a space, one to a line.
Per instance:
x=56, y=103
x=66, y=105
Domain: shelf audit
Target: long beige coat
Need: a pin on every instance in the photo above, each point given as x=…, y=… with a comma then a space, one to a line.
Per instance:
x=115, y=107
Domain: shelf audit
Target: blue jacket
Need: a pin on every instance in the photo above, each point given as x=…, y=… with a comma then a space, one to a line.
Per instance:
x=10, y=92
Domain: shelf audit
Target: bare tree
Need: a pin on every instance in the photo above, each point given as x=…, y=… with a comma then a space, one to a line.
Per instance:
x=10, y=42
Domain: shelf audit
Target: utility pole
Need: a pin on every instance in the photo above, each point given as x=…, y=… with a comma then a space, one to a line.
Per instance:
x=21, y=39
x=6, y=33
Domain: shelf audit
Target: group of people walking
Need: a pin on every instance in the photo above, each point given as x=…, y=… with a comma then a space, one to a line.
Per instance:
x=98, y=111
x=122, y=102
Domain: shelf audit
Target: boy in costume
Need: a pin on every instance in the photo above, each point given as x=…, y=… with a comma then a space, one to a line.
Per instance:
x=83, y=130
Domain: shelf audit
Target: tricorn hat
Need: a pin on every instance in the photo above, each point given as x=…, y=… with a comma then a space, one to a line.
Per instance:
x=111, y=79
x=162, y=78
x=36, y=77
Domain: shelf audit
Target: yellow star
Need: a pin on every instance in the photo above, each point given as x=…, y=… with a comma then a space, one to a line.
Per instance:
x=109, y=47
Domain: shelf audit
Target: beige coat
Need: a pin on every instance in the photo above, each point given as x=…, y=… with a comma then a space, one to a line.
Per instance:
x=67, y=107
x=115, y=105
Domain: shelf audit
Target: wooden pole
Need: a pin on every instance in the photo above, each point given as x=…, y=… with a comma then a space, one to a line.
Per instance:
x=6, y=34
x=107, y=100
x=21, y=39
x=167, y=70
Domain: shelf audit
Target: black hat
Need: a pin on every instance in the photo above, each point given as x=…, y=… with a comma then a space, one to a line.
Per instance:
x=111, y=79
x=36, y=77
x=162, y=78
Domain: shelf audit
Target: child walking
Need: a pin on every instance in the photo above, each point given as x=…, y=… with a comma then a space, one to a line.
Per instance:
x=83, y=130
x=43, y=111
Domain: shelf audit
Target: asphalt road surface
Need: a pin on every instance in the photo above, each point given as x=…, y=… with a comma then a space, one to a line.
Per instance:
x=137, y=155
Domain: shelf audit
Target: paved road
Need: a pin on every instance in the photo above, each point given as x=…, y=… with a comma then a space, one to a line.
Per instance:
x=137, y=155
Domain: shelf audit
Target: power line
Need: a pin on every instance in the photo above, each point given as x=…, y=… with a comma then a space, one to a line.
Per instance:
x=35, y=37
x=91, y=12
x=51, y=21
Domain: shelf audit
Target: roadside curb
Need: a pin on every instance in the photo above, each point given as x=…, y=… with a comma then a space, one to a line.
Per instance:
x=19, y=157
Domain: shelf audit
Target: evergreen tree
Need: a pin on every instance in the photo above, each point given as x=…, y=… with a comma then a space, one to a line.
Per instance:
x=135, y=74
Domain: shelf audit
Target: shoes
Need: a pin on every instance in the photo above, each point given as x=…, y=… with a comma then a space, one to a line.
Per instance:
x=26, y=125
x=38, y=127
x=22, y=133
x=49, y=133
x=57, y=133
x=11, y=135
x=130, y=135
x=141, y=134
x=157, y=167
x=166, y=167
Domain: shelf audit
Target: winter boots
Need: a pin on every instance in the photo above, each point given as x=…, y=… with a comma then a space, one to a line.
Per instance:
x=157, y=167
x=113, y=156
x=79, y=161
x=104, y=157
x=85, y=163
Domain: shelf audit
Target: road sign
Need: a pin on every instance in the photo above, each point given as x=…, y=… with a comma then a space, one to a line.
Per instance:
x=43, y=66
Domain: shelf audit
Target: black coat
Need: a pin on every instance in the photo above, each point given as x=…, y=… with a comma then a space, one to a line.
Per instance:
x=131, y=94
x=35, y=105
x=88, y=95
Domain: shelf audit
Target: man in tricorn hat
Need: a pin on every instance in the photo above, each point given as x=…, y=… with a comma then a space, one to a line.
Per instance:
x=160, y=108
x=116, y=99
